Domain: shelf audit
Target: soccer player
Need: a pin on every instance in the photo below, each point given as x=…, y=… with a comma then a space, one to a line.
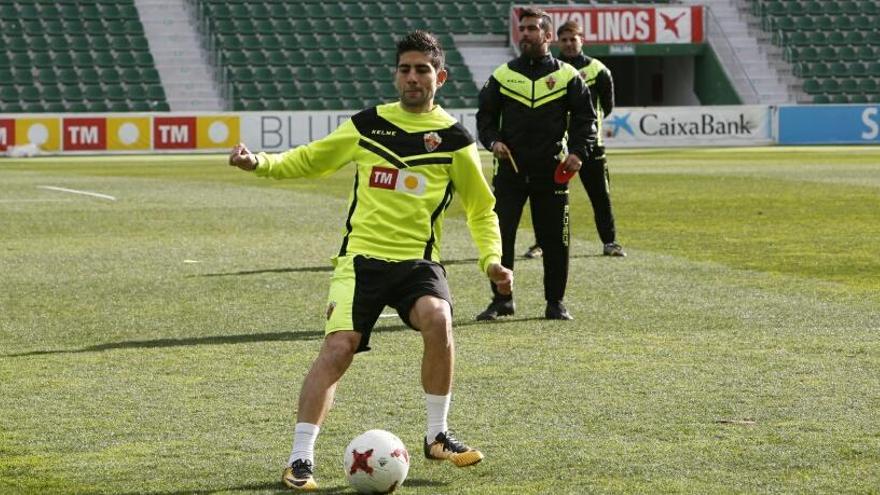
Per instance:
x=410, y=157
x=528, y=107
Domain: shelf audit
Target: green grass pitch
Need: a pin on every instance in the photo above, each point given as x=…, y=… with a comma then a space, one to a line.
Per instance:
x=155, y=343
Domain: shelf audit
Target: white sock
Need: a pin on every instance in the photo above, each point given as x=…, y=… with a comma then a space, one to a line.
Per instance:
x=304, y=437
x=438, y=408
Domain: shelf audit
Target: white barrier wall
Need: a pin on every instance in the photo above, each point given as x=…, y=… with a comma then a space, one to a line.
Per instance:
x=279, y=131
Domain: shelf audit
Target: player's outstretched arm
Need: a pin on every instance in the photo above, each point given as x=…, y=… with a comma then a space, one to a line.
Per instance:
x=502, y=277
x=242, y=158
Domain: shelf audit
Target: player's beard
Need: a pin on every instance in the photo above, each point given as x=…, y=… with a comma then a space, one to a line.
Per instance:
x=530, y=49
x=416, y=100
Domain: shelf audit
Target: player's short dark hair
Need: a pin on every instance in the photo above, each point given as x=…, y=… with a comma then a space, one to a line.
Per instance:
x=546, y=23
x=572, y=26
x=424, y=42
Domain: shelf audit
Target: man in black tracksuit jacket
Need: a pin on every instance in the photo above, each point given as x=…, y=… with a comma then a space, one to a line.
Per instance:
x=594, y=172
x=527, y=109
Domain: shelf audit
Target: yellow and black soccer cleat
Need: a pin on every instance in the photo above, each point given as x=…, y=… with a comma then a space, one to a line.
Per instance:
x=445, y=446
x=299, y=476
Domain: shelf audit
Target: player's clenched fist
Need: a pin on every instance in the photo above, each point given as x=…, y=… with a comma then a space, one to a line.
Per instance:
x=242, y=158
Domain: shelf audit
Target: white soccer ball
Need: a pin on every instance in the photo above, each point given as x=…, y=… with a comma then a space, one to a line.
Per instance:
x=376, y=461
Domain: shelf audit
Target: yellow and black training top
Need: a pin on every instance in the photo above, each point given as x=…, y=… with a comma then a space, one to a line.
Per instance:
x=536, y=107
x=408, y=165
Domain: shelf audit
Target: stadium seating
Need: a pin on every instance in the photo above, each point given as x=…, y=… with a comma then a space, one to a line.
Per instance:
x=318, y=48
x=64, y=56
x=833, y=45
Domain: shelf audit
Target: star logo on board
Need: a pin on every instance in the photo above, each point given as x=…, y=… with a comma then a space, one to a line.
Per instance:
x=432, y=141
x=618, y=122
x=550, y=81
x=360, y=462
x=671, y=23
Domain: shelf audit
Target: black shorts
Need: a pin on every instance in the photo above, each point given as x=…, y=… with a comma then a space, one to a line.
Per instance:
x=362, y=287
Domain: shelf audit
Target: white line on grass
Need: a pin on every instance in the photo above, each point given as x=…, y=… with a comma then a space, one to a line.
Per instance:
x=75, y=191
x=34, y=200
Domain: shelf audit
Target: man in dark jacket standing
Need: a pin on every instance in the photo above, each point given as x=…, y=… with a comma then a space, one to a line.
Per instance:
x=528, y=109
x=594, y=172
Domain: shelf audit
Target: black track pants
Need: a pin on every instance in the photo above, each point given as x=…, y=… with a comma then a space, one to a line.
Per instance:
x=597, y=182
x=549, y=208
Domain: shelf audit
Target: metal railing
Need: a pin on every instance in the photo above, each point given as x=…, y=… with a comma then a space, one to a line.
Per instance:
x=727, y=53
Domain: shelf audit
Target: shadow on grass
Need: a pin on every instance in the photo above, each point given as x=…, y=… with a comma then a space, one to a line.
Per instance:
x=278, y=487
x=212, y=340
x=306, y=269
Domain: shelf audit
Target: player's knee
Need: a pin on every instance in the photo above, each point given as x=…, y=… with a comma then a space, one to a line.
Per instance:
x=433, y=317
x=340, y=347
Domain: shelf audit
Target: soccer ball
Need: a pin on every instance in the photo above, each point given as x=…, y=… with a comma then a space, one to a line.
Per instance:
x=376, y=461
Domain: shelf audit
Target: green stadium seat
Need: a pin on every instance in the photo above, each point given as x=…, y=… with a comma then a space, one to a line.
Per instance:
x=838, y=69
x=864, y=22
x=155, y=92
x=849, y=85
x=34, y=107
x=269, y=91
x=826, y=53
x=119, y=106
x=847, y=53
x=18, y=44
x=812, y=86
x=55, y=107
x=150, y=75
x=830, y=86
x=51, y=93
x=858, y=98
x=868, y=85
x=283, y=73
x=823, y=22
x=839, y=99
x=22, y=76
x=47, y=76
x=116, y=93
x=75, y=106
x=131, y=75
x=849, y=7
x=29, y=93
x=97, y=106
x=866, y=53
x=71, y=93
x=110, y=76
x=843, y=22
x=22, y=60
x=136, y=92
x=836, y=38
x=263, y=74
x=10, y=107
x=869, y=7
x=308, y=89
x=104, y=59
x=9, y=93
x=315, y=104
x=140, y=106
x=857, y=69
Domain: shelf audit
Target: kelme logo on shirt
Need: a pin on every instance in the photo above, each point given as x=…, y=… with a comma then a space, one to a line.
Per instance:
x=398, y=180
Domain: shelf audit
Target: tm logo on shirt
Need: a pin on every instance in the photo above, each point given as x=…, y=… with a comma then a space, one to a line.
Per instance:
x=398, y=180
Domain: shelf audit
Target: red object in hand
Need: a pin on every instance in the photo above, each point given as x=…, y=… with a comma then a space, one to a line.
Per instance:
x=562, y=175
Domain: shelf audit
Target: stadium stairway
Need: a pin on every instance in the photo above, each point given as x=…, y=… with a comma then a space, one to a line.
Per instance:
x=482, y=54
x=759, y=75
x=175, y=43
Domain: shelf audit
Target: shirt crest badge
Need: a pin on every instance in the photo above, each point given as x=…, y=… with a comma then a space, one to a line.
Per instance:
x=432, y=141
x=550, y=81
